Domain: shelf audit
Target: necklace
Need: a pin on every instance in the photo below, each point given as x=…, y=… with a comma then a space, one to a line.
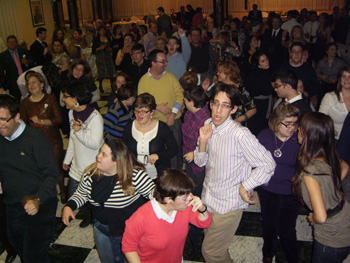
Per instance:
x=36, y=100
x=278, y=153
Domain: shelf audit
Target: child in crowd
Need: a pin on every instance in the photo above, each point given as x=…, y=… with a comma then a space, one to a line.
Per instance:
x=197, y=112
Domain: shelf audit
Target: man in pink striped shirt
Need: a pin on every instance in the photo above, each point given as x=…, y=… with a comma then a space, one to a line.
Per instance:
x=235, y=163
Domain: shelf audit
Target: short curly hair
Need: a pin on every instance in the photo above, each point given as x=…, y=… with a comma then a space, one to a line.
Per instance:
x=78, y=89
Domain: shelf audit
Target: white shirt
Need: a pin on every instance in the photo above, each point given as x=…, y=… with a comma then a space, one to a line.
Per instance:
x=296, y=98
x=232, y=153
x=288, y=25
x=161, y=214
x=143, y=140
x=334, y=109
x=275, y=30
x=311, y=28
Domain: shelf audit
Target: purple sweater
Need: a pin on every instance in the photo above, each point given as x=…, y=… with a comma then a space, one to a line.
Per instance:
x=285, y=165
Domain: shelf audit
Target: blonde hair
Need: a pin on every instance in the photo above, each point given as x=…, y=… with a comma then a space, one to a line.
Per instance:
x=230, y=69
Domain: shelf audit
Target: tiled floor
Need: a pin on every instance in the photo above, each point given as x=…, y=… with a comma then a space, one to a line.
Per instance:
x=76, y=245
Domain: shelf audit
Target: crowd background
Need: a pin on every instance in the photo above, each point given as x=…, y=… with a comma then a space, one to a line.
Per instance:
x=262, y=58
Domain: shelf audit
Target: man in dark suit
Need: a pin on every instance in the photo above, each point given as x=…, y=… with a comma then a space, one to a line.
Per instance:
x=39, y=49
x=286, y=87
x=255, y=18
x=13, y=62
x=271, y=44
x=181, y=16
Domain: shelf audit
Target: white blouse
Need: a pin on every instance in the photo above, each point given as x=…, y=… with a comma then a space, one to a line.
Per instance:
x=143, y=140
x=334, y=109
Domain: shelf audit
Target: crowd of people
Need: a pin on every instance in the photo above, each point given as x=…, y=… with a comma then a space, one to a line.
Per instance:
x=248, y=105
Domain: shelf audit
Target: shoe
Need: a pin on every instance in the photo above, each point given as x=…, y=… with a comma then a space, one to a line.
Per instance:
x=86, y=221
x=10, y=258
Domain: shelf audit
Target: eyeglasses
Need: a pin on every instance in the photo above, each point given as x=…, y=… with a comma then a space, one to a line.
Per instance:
x=162, y=62
x=7, y=120
x=278, y=85
x=289, y=124
x=142, y=111
x=183, y=198
x=225, y=106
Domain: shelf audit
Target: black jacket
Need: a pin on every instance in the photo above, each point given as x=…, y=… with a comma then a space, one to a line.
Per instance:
x=10, y=72
x=164, y=145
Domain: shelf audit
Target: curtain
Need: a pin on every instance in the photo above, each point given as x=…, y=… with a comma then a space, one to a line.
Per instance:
x=286, y=5
x=123, y=8
x=146, y=7
x=8, y=20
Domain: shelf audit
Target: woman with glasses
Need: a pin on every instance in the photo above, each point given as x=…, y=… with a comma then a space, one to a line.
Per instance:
x=149, y=139
x=116, y=185
x=157, y=231
x=86, y=134
x=278, y=208
x=317, y=183
x=81, y=70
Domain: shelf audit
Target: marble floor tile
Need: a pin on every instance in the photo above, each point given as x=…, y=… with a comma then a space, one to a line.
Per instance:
x=245, y=249
x=3, y=257
x=92, y=257
x=68, y=254
x=250, y=225
x=76, y=236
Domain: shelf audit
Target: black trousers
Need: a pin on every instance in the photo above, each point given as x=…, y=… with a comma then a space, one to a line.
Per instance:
x=3, y=229
x=31, y=235
x=279, y=214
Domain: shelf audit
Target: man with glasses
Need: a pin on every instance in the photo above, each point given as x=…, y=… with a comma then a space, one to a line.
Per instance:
x=28, y=175
x=286, y=84
x=304, y=71
x=235, y=163
x=168, y=93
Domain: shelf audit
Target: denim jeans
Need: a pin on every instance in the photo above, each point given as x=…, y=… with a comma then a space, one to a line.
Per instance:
x=108, y=247
x=325, y=254
x=31, y=235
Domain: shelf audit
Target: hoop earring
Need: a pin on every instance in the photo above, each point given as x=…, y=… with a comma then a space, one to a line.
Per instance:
x=76, y=105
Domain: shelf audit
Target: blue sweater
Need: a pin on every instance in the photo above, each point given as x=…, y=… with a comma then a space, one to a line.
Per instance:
x=177, y=63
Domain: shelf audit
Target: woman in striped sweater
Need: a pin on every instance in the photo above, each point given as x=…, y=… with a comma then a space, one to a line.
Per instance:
x=116, y=185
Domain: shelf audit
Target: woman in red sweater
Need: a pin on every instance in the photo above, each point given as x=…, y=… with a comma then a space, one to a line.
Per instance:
x=157, y=231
